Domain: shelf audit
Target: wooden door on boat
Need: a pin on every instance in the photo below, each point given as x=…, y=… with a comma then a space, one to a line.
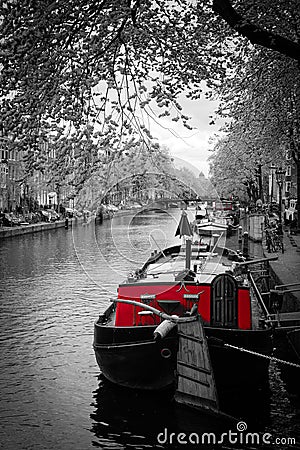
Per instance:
x=224, y=302
x=195, y=377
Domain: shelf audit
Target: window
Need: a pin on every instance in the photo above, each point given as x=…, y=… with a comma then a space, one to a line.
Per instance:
x=288, y=171
x=4, y=154
x=288, y=185
x=12, y=154
x=3, y=169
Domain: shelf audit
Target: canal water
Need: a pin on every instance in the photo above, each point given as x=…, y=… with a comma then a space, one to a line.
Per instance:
x=53, y=285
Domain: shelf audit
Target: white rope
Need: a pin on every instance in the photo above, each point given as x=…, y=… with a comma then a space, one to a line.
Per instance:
x=271, y=358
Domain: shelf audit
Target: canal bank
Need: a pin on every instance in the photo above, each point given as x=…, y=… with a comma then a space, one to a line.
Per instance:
x=286, y=269
x=7, y=232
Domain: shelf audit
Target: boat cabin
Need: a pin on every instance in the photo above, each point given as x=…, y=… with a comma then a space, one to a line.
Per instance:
x=223, y=299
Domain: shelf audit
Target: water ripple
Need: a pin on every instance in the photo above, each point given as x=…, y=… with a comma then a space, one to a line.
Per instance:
x=53, y=285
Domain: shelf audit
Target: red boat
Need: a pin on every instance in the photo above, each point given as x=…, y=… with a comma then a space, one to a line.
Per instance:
x=218, y=287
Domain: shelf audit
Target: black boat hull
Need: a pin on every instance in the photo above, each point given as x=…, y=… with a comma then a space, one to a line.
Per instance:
x=140, y=365
x=130, y=357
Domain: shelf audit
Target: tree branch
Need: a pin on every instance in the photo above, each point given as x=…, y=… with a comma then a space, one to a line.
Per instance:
x=255, y=33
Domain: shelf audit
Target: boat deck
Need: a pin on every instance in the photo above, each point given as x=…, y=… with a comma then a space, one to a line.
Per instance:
x=206, y=267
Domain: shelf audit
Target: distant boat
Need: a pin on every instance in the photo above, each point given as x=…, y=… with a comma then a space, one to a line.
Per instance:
x=220, y=221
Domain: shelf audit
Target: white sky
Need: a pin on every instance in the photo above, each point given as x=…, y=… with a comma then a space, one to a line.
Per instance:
x=189, y=145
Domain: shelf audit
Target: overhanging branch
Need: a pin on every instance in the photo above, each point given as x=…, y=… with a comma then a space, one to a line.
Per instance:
x=254, y=33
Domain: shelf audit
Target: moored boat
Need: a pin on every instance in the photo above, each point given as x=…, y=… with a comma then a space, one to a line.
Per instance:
x=221, y=220
x=199, y=275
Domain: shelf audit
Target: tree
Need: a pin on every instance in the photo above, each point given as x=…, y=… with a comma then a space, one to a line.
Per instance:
x=90, y=69
x=233, y=170
x=256, y=21
x=269, y=74
x=137, y=170
x=261, y=101
x=89, y=73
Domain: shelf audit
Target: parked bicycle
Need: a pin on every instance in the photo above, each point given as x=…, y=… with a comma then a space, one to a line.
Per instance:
x=274, y=240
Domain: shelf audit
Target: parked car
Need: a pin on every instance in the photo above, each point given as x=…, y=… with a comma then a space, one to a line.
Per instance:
x=45, y=216
x=49, y=215
x=54, y=216
x=10, y=220
x=35, y=218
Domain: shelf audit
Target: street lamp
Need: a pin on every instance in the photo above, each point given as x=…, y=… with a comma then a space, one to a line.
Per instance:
x=272, y=169
x=279, y=179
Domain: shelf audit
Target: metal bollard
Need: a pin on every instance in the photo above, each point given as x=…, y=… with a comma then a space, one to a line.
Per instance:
x=246, y=244
x=240, y=233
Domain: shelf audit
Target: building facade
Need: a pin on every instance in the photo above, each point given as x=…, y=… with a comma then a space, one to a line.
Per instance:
x=288, y=192
x=11, y=189
x=20, y=193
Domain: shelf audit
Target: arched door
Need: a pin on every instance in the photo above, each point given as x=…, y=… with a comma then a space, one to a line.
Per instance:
x=224, y=302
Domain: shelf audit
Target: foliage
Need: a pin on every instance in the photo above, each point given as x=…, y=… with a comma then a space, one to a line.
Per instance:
x=260, y=99
x=145, y=174
x=85, y=76
x=272, y=25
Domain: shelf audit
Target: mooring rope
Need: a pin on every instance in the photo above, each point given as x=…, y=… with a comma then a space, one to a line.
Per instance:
x=271, y=358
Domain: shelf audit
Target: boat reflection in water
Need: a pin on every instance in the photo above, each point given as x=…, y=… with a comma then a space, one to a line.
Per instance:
x=126, y=418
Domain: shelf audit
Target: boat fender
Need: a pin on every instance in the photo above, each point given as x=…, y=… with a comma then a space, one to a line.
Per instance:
x=163, y=329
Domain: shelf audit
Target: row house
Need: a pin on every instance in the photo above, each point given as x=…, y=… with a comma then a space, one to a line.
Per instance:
x=289, y=189
x=10, y=174
x=19, y=193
